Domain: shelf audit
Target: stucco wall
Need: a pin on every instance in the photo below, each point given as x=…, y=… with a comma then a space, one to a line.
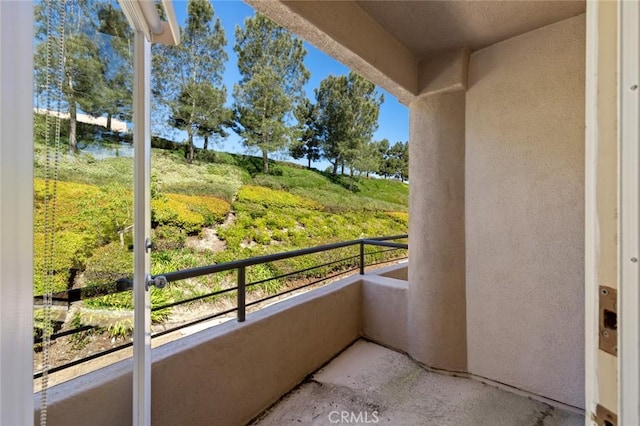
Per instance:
x=436, y=308
x=524, y=214
x=384, y=309
x=225, y=375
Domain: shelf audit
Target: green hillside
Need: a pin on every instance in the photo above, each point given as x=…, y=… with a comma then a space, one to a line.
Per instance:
x=218, y=209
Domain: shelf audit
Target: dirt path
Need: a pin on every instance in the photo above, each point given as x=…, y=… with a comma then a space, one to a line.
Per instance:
x=209, y=239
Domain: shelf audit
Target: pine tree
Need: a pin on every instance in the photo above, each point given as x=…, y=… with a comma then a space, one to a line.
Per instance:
x=270, y=61
x=348, y=109
x=188, y=77
x=83, y=72
x=117, y=53
x=308, y=143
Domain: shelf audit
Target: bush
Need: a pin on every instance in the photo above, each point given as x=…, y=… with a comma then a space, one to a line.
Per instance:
x=191, y=213
x=274, y=198
x=71, y=251
x=400, y=217
x=108, y=264
x=167, y=237
x=124, y=301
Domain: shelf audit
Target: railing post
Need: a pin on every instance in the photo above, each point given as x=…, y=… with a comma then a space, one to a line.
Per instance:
x=361, y=257
x=242, y=280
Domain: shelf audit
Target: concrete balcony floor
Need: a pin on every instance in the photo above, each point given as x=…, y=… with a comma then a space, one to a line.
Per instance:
x=381, y=386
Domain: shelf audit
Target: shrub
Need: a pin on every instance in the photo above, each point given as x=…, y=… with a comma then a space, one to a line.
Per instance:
x=191, y=213
x=108, y=264
x=124, y=301
x=274, y=198
x=168, y=237
x=400, y=217
x=71, y=251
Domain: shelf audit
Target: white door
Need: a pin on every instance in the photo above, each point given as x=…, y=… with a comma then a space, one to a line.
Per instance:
x=143, y=17
x=141, y=231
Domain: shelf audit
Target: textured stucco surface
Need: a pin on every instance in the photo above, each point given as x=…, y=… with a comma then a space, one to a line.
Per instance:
x=384, y=310
x=347, y=33
x=436, y=296
x=431, y=27
x=399, y=272
x=225, y=375
x=525, y=212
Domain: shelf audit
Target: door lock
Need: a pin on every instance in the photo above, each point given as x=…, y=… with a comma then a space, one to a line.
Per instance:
x=608, y=323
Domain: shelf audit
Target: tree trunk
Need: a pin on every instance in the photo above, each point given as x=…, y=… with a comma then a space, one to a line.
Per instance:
x=205, y=146
x=73, y=118
x=73, y=124
x=265, y=161
x=190, y=147
x=108, y=121
x=335, y=167
x=309, y=165
x=342, y=168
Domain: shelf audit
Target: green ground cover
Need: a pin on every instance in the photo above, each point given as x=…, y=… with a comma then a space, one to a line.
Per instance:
x=250, y=213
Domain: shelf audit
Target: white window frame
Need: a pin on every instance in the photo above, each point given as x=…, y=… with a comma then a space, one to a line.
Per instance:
x=629, y=199
x=16, y=213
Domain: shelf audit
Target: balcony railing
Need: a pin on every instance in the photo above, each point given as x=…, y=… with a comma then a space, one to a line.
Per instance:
x=330, y=270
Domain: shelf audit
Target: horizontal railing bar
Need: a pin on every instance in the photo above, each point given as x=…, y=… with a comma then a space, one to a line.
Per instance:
x=381, y=251
x=387, y=261
x=88, y=292
x=85, y=359
x=386, y=244
x=235, y=264
x=74, y=295
x=193, y=299
x=255, y=302
x=199, y=320
x=392, y=237
x=302, y=270
x=67, y=333
x=77, y=294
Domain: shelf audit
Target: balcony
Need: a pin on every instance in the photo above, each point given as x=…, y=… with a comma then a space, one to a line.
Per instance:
x=231, y=373
x=514, y=223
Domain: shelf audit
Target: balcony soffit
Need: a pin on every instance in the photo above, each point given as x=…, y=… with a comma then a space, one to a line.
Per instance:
x=407, y=46
x=429, y=27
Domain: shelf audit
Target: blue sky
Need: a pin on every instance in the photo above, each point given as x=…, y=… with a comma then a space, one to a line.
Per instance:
x=394, y=117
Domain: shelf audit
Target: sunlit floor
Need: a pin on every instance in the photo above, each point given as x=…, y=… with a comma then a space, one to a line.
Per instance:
x=370, y=384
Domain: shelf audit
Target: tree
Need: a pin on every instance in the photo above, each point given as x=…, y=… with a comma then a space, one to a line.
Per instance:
x=270, y=61
x=384, y=166
x=118, y=55
x=188, y=77
x=211, y=123
x=82, y=74
x=308, y=143
x=368, y=160
x=398, y=161
x=348, y=109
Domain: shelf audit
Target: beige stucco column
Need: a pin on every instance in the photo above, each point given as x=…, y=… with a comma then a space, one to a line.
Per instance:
x=436, y=302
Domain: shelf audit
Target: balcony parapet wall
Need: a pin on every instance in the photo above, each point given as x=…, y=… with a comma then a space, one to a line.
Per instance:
x=226, y=374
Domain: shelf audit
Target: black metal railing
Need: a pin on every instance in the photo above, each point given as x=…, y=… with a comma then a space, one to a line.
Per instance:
x=339, y=267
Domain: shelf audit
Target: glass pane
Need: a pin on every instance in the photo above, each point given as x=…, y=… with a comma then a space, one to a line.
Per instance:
x=83, y=71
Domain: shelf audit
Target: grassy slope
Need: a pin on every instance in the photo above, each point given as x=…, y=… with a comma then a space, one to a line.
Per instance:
x=291, y=208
